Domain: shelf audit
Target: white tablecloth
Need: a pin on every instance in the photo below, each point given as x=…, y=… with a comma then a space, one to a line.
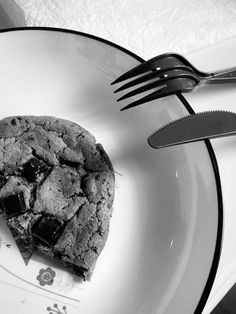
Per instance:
x=146, y=27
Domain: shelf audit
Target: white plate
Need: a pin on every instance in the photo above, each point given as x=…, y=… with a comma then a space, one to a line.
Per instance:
x=163, y=247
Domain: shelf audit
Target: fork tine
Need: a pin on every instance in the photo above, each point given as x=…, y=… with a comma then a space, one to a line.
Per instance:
x=152, y=75
x=139, y=69
x=155, y=84
x=151, y=64
x=148, y=98
x=139, y=80
x=163, y=92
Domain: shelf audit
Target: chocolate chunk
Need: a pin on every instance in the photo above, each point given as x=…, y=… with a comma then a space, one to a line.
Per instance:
x=69, y=163
x=33, y=169
x=13, y=205
x=79, y=270
x=2, y=179
x=47, y=230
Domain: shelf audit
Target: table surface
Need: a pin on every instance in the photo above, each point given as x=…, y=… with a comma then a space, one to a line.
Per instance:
x=147, y=28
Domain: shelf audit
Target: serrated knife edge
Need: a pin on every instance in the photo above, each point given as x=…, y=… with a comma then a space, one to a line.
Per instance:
x=195, y=127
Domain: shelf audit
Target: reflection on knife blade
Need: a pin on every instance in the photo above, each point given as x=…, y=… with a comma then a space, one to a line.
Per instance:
x=196, y=127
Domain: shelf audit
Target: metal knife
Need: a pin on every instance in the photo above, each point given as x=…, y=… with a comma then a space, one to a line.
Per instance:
x=195, y=127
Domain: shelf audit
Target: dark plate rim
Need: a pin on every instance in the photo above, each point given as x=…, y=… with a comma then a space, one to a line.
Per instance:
x=218, y=246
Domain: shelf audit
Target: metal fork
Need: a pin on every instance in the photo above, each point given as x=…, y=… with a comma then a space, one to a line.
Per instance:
x=169, y=74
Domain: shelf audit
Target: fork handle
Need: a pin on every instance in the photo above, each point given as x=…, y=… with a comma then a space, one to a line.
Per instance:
x=225, y=73
x=218, y=80
x=226, y=76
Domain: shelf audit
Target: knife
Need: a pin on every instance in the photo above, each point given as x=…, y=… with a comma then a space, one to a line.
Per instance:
x=195, y=127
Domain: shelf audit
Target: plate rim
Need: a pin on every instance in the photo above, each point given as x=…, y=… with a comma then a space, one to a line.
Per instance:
x=218, y=246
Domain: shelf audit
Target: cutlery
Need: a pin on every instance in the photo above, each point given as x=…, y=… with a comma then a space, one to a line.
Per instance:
x=169, y=74
x=195, y=127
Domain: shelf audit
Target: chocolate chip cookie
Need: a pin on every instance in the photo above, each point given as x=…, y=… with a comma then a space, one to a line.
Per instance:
x=56, y=189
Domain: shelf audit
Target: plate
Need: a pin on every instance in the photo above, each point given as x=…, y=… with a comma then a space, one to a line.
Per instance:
x=163, y=247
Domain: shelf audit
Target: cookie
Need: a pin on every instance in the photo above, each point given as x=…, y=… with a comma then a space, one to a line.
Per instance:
x=56, y=189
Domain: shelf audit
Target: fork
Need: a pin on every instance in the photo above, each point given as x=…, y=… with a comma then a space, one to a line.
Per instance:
x=169, y=74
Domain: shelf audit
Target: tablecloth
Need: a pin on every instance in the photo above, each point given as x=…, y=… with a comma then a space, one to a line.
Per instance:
x=146, y=27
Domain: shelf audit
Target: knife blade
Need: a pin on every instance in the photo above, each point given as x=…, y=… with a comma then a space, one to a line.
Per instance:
x=195, y=127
